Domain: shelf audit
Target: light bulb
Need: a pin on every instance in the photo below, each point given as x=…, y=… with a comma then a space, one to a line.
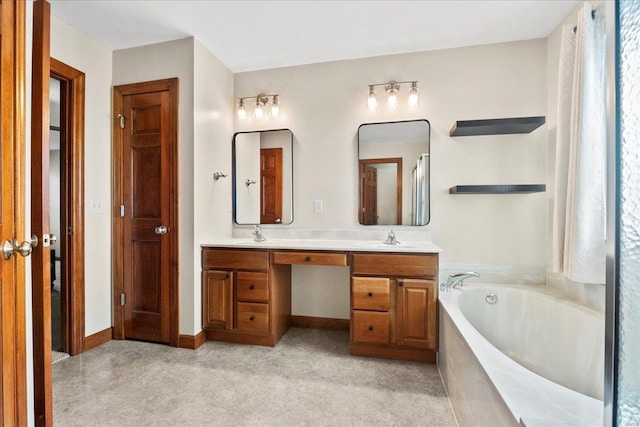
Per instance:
x=258, y=113
x=242, y=113
x=372, y=102
x=413, y=94
x=275, y=106
x=392, y=98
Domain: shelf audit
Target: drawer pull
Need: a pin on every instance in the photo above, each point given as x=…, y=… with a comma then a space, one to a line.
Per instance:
x=370, y=294
x=252, y=287
x=252, y=318
x=371, y=328
x=307, y=258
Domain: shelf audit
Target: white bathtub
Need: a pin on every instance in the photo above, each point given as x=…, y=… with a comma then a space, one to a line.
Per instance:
x=530, y=359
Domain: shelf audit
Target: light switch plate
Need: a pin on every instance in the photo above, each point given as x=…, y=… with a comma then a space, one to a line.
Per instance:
x=317, y=206
x=96, y=206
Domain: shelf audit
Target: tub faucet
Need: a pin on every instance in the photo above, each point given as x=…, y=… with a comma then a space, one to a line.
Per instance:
x=456, y=280
x=257, y=234
x=391, y=238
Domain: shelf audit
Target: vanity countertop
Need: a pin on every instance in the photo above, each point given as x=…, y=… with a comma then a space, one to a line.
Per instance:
x=326, y=245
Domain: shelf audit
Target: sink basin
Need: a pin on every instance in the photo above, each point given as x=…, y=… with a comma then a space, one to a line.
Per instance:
x=373, y=244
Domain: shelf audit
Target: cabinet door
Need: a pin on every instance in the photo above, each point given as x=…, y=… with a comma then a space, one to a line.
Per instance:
x=416, y=313
x=217, y=299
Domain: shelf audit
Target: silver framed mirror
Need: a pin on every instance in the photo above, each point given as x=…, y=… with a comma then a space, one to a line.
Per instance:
x=262, y=178
x=393, y=168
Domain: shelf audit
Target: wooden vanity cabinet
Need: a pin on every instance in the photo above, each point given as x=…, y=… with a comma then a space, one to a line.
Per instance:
x=393, y=306
x=245, y=297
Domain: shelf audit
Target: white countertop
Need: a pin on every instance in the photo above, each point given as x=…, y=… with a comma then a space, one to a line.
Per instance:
x=326, y=245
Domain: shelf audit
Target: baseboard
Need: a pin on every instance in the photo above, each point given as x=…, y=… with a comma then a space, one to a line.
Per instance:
x=192, y=342
x=320, y=323
x=92, y=341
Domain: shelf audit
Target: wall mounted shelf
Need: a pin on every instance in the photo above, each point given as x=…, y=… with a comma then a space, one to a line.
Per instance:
x=496, y=126
x=498, y=189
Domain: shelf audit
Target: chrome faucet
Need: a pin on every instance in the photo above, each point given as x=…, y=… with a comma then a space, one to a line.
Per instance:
x=456, y=280
x=257, y=234
x=391, y=238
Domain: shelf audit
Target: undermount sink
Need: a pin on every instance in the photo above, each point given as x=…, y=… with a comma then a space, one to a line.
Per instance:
x=371, y=244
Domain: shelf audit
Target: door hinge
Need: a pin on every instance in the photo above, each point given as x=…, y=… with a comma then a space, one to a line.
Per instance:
x=121, y=118
x=70, y=231
x=122, y=211
x=122, y=299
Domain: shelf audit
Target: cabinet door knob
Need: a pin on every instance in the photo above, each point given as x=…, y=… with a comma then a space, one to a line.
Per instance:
x=252, y=318
x=307, y=258
x=226, y=276
x=370, y=294
x=370, y=328
x=252, y=287
x=401, y=284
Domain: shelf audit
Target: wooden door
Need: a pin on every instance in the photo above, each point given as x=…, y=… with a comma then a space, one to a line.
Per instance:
x=13, y=411
x=41, y=257
x=416, y=311
x=271, y=185
x=368, y=194
x=148, y=211
x=217, y=299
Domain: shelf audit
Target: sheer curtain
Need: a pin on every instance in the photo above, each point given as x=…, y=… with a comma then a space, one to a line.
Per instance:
x=579, y=208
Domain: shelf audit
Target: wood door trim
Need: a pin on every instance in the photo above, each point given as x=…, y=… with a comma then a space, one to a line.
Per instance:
x=72, y=191
x=41, y=283
x=398, y=162
x=119, y=92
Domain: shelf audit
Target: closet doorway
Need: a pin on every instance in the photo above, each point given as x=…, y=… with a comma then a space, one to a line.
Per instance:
x=66, y=207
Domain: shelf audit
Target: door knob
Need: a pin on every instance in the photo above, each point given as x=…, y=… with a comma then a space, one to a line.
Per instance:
x=278, y=221
x=10, y=248
x=161, y=230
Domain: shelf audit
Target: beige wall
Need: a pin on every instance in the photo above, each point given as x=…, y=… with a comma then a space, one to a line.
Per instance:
x=94, y=59
x=323, y=104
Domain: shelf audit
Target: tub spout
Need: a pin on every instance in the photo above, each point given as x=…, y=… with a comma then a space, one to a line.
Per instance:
x=456, y=280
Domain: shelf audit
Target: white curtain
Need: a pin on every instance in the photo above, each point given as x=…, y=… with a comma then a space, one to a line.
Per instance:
x=579, y=208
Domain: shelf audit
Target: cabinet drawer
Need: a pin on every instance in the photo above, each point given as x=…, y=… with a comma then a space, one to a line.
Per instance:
x=395, y=264
x=253, y=286
x=253, y=317
x=310, y=258
x=371, y=293
x=371, y=327
x=235, y=259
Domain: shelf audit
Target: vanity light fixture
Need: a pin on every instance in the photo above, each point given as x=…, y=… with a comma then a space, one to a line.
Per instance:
x=392, y=89
x=262, y=103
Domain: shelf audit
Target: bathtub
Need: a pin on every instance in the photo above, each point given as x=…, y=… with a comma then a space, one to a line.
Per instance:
x=529, y=359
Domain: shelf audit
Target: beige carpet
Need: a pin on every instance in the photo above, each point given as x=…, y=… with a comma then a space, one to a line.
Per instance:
x=308, y=379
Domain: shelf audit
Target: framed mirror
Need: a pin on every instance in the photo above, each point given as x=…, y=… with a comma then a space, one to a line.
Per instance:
x=393, y=160
x=263, y=177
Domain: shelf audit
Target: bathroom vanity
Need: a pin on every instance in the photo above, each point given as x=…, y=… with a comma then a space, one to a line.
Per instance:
x=246, y=292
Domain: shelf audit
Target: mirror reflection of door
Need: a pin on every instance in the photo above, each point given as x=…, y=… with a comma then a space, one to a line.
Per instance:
x=263, y=177
x=380, y=191
x=270, y=185
x=402, y=195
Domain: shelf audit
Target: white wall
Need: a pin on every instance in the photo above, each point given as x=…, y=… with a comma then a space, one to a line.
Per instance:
x=323, y=105
x=94, y=59
x=213, y=112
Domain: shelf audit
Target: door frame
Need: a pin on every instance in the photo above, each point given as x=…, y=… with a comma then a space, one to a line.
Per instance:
x=13, y=381
x=118, y=237
x=72, y=102
x=398, y=162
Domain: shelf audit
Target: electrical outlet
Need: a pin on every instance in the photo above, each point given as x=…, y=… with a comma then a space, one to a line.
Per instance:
x=317, y=206
x=96, y=206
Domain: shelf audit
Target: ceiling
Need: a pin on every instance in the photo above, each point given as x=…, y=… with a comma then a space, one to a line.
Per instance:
x=253, y=35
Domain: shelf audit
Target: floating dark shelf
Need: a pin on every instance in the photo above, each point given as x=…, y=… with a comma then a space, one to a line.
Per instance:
x=498, y=189
x=496, y=126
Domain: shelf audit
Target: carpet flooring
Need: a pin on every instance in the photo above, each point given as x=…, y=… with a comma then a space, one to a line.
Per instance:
x=308, y=379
